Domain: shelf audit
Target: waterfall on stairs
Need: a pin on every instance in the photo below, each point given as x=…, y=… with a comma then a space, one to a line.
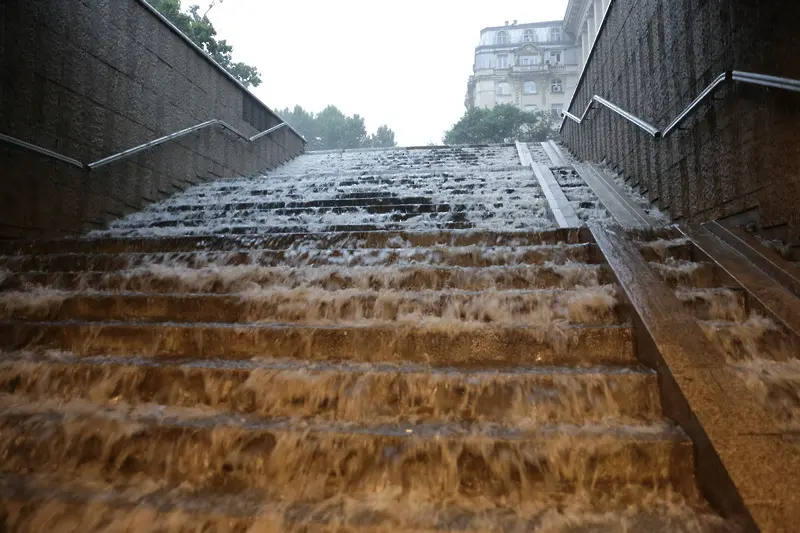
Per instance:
x=364, y=341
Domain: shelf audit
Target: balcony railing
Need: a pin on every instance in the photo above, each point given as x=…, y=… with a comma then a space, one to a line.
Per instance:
x=518, y=42
x=539, y=68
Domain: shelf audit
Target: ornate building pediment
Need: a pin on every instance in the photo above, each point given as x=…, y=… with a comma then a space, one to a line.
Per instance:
x=528, y=49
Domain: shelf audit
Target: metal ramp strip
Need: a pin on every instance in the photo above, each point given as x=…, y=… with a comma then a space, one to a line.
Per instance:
x=554, y=154
x=624, y=212
x=556, y=199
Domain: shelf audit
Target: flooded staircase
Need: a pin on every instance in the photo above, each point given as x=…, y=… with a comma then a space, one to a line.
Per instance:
x=761, y=350
x=365, y=341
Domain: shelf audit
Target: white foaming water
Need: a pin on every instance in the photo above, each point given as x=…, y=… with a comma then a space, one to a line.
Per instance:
x=715, y=304
x=765, y=357
x=507, y=308
x=165, y=277
x=372, y=394
x=37, y=302
x=777, y=386
x=680, y=272
x=662, y=246
x=498, y=194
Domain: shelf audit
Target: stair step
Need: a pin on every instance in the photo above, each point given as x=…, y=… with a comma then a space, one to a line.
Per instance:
x=342, y=391
x=776, y=384
x=230, y=279
x=756, y=338
x=353, y=192
x=433, y=342
x=222, y=243
x=715, y=303
x=28, y=501
x=693, y=274
x=680, y=249
x=315, y=459
x=395, y=176
x=245, y=210
x=467, y=256
x=594, y=306
x=261, y=229
x=352, y=200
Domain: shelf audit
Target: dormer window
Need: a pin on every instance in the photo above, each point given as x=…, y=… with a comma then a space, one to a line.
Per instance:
x=529, y=36
x=501, y=37
x=555, y=35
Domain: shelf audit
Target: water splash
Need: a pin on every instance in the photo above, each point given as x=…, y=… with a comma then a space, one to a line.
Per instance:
x=36, y=303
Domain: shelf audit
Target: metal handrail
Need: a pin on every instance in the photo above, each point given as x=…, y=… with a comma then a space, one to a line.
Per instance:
x=43, y=151
x=88, y=167
x=730, y=76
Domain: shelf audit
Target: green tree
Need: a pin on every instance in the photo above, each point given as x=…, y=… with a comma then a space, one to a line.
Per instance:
x=330, y=129
x=200, y=30
x=382, y=138
x=501, y=124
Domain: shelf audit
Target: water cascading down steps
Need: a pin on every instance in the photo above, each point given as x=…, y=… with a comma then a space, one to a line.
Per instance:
x=385, y=340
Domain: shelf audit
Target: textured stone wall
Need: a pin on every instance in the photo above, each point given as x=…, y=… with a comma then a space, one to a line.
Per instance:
x=89, y=78
x=740, y=155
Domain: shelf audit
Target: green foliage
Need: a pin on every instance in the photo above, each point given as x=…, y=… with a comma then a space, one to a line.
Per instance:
x=504, y=123
x=330, y=129
x=200, y=30
x=382, y=138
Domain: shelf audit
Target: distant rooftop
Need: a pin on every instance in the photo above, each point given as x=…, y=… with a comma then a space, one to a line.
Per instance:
x=526, y=25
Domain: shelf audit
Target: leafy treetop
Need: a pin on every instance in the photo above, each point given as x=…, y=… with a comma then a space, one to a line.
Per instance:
x=200, y=30
x=330, y=129
x=501, y=124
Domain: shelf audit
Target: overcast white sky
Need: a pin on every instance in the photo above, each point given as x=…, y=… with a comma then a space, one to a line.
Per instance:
x=402, y=63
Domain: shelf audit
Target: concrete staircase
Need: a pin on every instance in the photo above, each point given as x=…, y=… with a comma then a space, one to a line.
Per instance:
x=388, y=340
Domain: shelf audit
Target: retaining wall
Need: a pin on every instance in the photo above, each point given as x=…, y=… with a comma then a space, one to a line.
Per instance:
x=89, y=78
x=737, y=157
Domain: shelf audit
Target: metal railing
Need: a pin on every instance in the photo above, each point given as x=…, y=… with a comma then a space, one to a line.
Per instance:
x=88, y=167
x=725, y=78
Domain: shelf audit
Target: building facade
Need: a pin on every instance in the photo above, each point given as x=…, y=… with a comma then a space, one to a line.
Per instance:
x=582, y=20
x=534, y=66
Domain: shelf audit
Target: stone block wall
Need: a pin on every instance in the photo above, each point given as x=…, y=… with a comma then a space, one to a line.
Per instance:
x=738, y=156
x=90, y=78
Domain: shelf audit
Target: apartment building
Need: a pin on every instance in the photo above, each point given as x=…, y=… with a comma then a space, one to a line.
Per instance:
x=534, y=66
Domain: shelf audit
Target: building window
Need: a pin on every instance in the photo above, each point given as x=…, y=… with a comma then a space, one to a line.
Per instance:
x=530, y=61
x=556, y=86
x=529, y=36
x=529, y=87
x=555, y=58
x=501, y=37
x=503, y=89
x=502, y=60
x=555, y=35
x=531, y=108
x=556, y=109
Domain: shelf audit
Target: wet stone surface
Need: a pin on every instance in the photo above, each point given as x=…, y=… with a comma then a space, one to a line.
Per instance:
x=365, y=341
